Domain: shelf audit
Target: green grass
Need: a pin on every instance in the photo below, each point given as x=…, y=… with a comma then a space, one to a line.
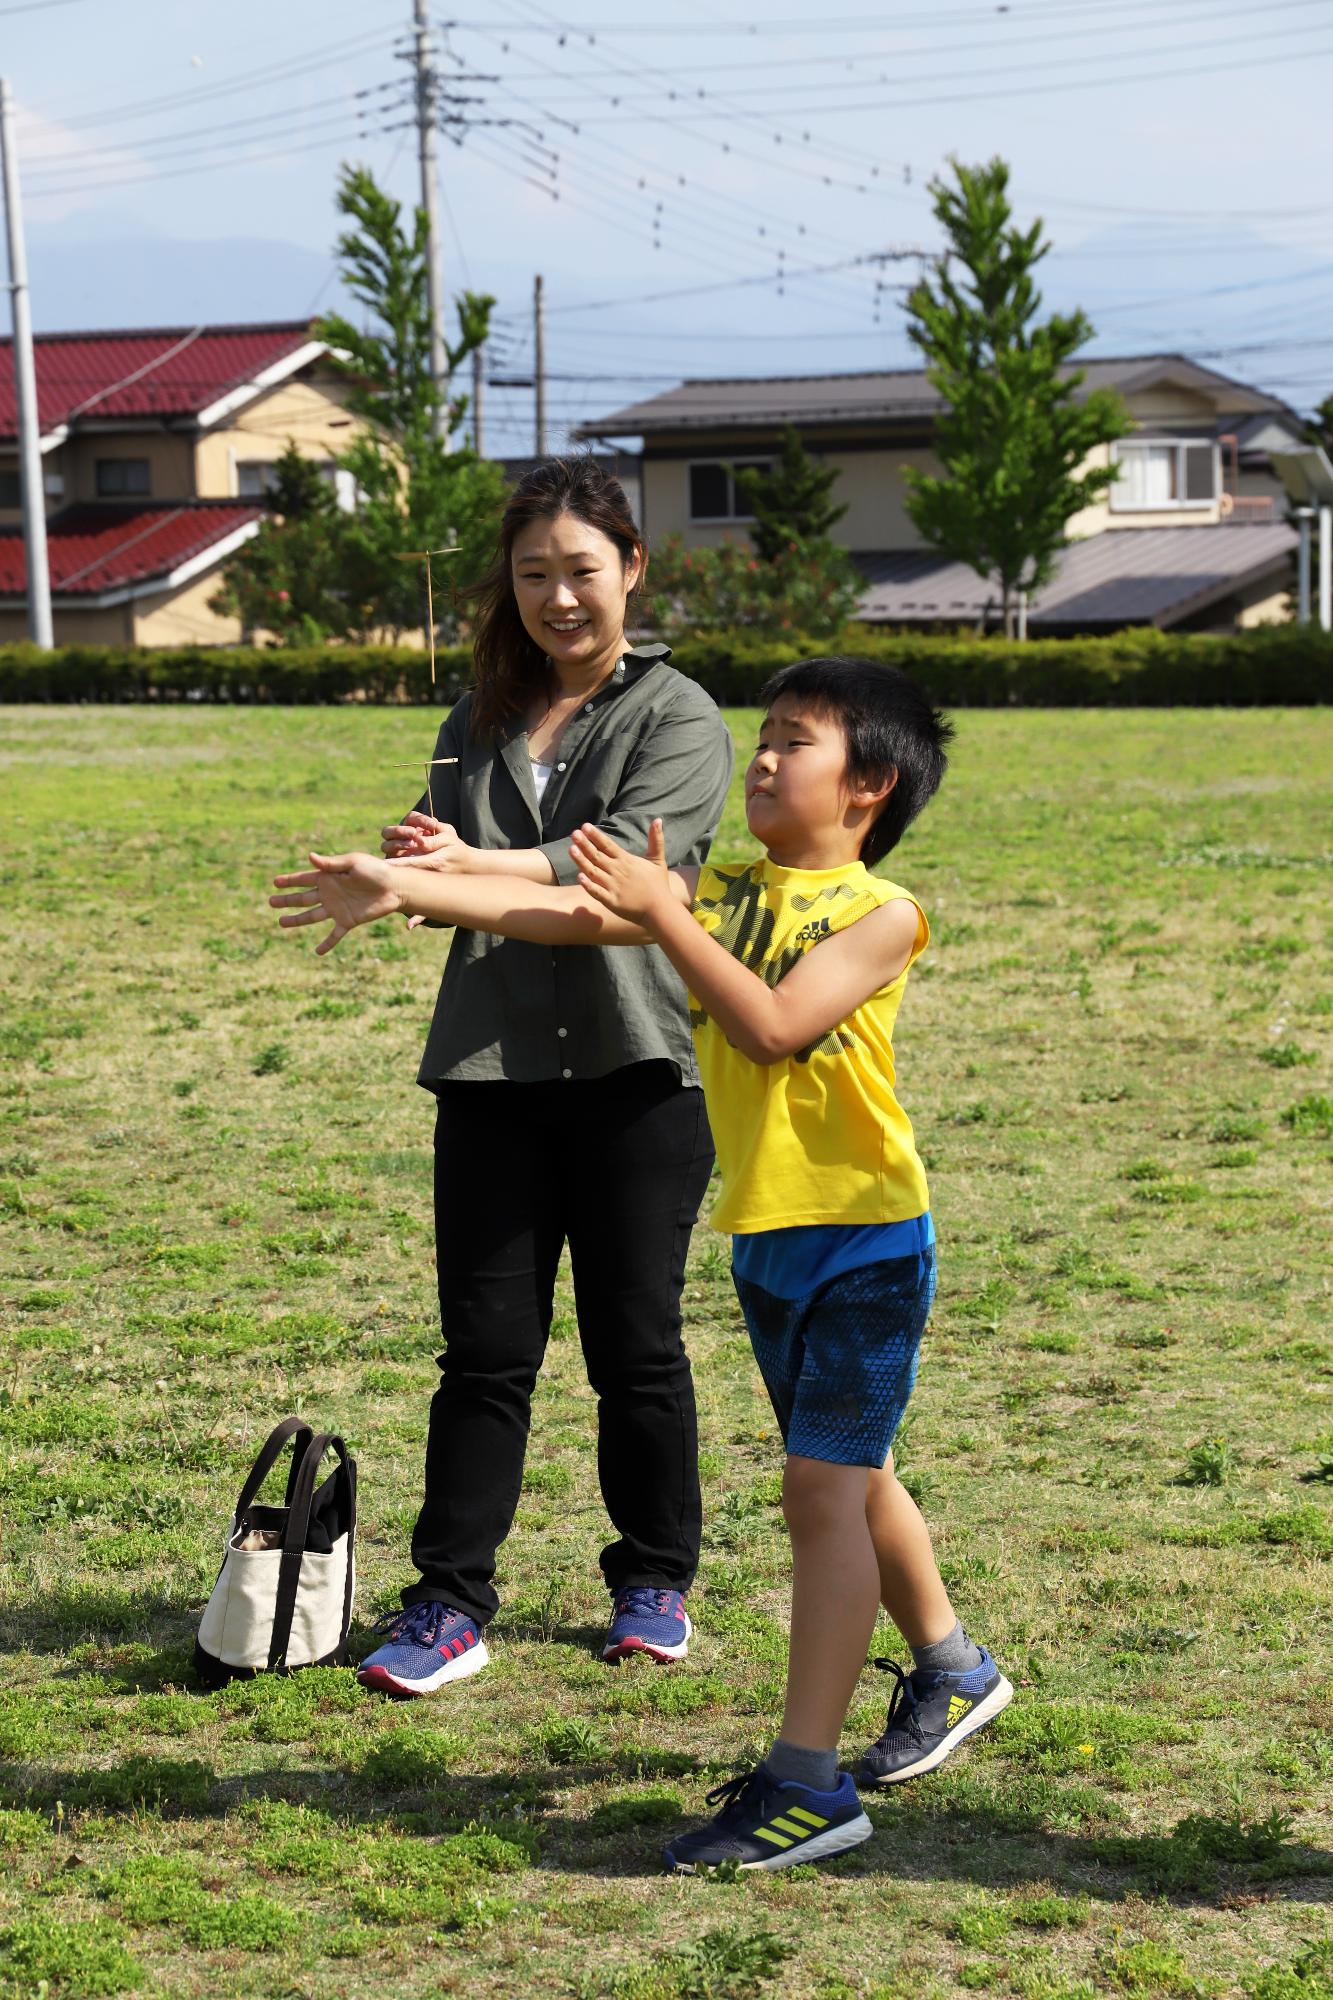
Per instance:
x=214, y=1197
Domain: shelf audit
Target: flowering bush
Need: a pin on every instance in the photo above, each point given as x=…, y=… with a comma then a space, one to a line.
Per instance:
x=809, y=587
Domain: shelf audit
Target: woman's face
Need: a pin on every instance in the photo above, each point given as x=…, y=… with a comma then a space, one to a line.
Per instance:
x=571, y=587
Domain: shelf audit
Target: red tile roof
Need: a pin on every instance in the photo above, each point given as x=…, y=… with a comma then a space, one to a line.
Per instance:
x=95, y=549
x=159, y=372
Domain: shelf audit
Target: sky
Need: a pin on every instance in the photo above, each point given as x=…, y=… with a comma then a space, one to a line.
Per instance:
x=707, y=188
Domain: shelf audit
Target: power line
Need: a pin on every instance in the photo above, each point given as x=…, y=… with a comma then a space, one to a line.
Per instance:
x=229, y=158
x=53, y=161
x=1026, y=67
x=1010, y=90
x=280, y=72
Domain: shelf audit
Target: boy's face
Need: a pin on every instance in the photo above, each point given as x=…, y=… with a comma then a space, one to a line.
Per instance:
x=796, y=785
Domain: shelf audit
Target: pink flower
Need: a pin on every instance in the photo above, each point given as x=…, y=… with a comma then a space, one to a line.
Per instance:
x=282, y=596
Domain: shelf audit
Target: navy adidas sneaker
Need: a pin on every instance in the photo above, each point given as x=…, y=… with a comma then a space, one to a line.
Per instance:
x=929, y=1716
x=425, y=1646
x=645, y=1619
x=767, y=1824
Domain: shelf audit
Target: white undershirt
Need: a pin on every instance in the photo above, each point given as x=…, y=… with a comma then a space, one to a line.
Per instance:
x=541, y=776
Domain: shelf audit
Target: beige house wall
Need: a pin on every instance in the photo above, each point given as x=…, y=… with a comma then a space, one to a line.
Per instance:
x=182, y=617
x=105, y=626
x=308, y=411
x=872, y=486
x=170, y=465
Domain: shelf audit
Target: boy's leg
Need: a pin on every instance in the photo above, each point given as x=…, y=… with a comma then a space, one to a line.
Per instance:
x=910, y=1586
x=835, y=1597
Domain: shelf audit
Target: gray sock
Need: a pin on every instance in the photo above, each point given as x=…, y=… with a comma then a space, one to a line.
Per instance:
x=953, y=1654
x=791, y=1765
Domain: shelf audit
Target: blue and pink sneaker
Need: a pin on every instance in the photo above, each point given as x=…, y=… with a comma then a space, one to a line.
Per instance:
x=647, y=1620
x=425, y=1646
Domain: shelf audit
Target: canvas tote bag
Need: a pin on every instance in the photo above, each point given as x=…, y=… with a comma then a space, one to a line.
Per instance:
x=283, y=1598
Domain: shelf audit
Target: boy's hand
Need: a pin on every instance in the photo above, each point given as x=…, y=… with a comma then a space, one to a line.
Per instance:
x=635, y=889
x=347, y=889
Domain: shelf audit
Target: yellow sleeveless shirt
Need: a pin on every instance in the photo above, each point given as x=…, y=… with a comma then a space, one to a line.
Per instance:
x=818, y=1137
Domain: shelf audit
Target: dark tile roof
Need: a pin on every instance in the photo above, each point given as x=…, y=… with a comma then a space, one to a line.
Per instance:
x=875, y=397
x=94, y=549
x=1125, y=576
x=158, y=372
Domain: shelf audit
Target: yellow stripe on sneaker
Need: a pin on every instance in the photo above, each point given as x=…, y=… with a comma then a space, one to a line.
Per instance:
x=799, y=1812
x=767, y=1833
x=790, y=1826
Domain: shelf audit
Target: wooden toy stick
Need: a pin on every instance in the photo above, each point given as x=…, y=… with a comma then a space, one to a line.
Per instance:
x=424, y=555
x=430, y=763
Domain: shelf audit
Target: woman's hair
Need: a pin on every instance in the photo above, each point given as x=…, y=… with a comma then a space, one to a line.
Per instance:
x=510, y=667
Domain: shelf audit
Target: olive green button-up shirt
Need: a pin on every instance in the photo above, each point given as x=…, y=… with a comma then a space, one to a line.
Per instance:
x=649, y=742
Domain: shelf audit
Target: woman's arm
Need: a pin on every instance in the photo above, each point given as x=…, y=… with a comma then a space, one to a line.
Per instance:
x=351, y=889
x=764, y=1022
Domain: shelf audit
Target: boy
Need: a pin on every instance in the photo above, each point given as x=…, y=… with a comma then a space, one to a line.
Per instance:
x=822, y=1189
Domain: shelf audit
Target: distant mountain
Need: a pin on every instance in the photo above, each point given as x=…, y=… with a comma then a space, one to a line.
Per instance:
x=135, y=279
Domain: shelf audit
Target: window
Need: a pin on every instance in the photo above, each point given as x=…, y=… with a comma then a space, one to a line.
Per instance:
x=256, y=477
x=1164, y=472
x=713, y=495
x=118, y=478
x=11, y=493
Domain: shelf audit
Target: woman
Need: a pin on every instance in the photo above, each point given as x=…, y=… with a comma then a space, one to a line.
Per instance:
x=568, y=1103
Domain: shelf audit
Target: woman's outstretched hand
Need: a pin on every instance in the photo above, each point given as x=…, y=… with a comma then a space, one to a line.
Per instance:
x=625, y=884
x=345, y=889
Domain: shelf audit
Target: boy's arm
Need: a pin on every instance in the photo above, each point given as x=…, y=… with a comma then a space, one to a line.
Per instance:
x=352, y=889
x=764, y=1022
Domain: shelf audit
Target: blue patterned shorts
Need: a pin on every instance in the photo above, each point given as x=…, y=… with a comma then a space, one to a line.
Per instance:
x=839, y=1365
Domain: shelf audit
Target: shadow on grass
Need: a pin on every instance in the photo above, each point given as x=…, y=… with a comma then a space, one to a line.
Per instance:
x=990, y=1847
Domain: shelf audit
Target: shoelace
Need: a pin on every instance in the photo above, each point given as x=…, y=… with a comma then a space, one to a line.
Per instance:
x=736, y=1794
x=642, y=1597
x=903, y=1703
x=418, y=1622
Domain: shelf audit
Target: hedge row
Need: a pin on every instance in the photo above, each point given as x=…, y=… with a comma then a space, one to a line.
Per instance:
x=1285, y=665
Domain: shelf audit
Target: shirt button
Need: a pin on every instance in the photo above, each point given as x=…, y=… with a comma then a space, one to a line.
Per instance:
x=559, y=767
x=566, y=1072
x=562, y=1032
x=587, y=708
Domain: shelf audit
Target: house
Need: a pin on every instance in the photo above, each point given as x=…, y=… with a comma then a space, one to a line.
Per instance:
x=158, y=448
x=1193, y=533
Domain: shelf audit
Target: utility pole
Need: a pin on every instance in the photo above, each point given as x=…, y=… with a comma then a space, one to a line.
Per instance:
x=539, y=367
x=426, y=80
x=478, y=387
x=31, y=490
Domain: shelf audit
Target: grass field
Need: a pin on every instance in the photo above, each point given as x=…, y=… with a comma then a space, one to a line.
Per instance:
x=214, y=1178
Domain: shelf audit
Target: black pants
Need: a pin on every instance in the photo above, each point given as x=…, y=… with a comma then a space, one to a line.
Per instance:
x=616, y=1166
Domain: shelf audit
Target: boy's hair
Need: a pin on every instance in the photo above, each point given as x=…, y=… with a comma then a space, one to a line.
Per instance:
x=890, y=725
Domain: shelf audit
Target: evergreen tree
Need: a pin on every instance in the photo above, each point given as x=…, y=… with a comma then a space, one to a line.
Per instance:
x=316, y=571
x=288, y=579
x=791, y=501
x=1014, y=433
x=413, y=491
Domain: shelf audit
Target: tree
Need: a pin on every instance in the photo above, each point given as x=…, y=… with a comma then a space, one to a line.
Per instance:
x=1014, y=431
x=790, y=502
x=317, y=571
x=807, y=589
x=287, y=580
x=413, y=491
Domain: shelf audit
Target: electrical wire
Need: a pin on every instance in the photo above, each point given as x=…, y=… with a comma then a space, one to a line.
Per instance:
x=917, y=103
x=215, y=166
x=279, y=72
x=52, y=162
